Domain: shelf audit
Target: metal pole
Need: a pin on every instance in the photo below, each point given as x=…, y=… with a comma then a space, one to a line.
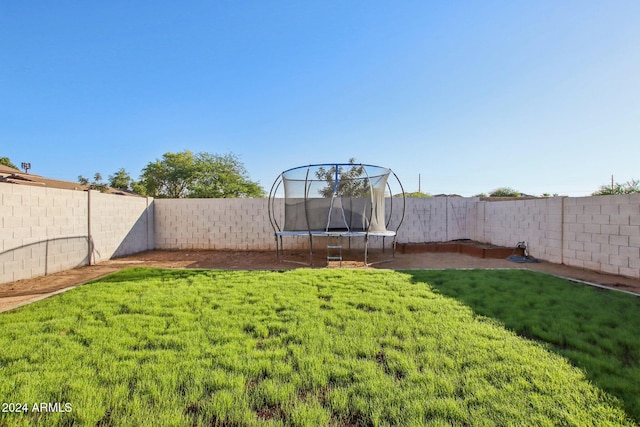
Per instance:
x=89, y=239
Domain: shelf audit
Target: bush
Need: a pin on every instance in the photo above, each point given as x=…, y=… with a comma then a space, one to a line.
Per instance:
x=504, y=192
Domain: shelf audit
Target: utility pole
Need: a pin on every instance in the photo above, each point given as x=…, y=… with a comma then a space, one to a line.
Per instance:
x=419, y=179
x=26, y=166
x=611, y=184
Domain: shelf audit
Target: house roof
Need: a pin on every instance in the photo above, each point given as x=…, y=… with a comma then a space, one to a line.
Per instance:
x=6, y=170
x=40, y=181
x=20, y=178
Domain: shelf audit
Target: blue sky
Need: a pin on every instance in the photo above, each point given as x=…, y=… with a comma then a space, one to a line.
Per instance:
x=541, y=96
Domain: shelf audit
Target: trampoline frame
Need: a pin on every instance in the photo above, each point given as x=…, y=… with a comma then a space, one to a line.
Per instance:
x=279, y=233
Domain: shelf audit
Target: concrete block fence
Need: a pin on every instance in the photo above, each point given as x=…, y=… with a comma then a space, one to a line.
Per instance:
x=603, y=234
x=538, y=222
x=47, y=230
x=438, y=219
x=42, y=230
x=234, y=224
x=120, y=225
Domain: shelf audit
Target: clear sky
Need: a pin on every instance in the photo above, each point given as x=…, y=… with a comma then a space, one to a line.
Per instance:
x=541, y=96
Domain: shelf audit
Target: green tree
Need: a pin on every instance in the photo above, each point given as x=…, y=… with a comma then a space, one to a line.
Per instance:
x=202, y=175
x=628, y=187
x=223, y=177
x=7, y=162
x=97, y=183
x=170, y=177
x=120, y=180
x=481, y=195
x=504, y=192
x=350, y=180
x=416, y=194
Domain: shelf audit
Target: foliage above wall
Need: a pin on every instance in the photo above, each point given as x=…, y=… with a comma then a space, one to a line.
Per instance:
x=200, y=175
x=504, y=192
x=629, y=187
x=7, y=162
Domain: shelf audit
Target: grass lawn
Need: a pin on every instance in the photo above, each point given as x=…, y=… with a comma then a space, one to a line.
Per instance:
x=323, y=347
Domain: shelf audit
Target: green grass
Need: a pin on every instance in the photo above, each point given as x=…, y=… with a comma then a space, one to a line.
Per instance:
x=597, y=330
x=307, y=347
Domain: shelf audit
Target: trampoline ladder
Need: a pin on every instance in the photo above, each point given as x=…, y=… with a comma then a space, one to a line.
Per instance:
x=332, y=245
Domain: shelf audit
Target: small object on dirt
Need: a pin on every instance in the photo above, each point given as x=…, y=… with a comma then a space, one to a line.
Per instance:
x=518, y=258
x=522, y=248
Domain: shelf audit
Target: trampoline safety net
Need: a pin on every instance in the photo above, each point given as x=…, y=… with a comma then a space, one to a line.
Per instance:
x=334, y=199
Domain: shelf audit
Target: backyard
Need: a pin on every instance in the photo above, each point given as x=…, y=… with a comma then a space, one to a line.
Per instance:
x=148, y=346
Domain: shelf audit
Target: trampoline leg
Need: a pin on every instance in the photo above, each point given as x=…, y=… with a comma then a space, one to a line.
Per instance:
x=366, y=249
x=281, y=247
x=310, y=249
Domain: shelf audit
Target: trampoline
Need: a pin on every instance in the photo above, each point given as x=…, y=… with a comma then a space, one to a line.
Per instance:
x=335, y=201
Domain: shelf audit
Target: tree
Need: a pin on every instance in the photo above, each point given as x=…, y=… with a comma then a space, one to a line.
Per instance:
x=169, y=177
x=504, y=192
x=628, y=187
x=350, y=183
x=97, y=183
x=223, y=177
x=120, y=180
x=202, y=175
x=7, y=162
x=415, y=194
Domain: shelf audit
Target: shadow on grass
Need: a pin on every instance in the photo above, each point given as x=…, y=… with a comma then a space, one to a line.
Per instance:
x=143, y=274
x=597, y=330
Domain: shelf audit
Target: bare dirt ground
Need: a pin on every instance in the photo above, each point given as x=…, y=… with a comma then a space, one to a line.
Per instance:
x=22, y=292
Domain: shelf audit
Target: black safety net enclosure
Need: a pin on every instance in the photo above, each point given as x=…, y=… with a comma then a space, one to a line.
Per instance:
x=336, y=200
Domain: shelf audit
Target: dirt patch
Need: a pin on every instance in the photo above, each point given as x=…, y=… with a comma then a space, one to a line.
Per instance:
x=24, y=291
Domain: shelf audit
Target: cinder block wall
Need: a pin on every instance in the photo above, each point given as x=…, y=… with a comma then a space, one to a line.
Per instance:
x=243, y=224
x=424, y=221
x=603, y=233
x=43, y=230
x=600, y=233
x=235, y=224
x=46, y=230
x=436, y=219
x=120, y=225
x=536, y=221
